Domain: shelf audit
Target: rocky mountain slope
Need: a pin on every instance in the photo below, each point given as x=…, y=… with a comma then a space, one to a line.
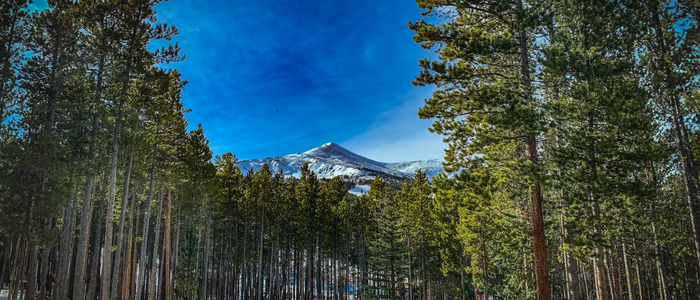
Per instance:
x=331, y=160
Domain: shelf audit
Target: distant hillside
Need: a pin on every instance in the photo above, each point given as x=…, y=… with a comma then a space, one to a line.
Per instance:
x=331, y=160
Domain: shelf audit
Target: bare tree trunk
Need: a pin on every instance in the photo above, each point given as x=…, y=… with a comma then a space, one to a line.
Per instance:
x=95, y=255
x=628, y=274
x=45, y=253
x=130, y=266
x=120, y=236
x=463, y=291
x=601, y=284
x=664, y=291
x=9, y=254
x=424, y=294
x=15, y=268
x=156, y=241
x=146, y=221
x=207, y=244
x=65, y=250
x=167, y=248
x=260, y=254
x=639, y=276
x=23, y=271
x=410, y=274
x=614, y=278
x=30, y=289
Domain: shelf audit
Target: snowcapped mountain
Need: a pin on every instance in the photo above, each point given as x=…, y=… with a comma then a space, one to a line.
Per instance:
x=331, y=160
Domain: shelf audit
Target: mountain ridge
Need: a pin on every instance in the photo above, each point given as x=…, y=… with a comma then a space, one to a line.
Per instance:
x=331, y=160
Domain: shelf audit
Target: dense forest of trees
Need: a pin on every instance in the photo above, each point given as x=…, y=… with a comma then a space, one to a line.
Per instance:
x=572, y=134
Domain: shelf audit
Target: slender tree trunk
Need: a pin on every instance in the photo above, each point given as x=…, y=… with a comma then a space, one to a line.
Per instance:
x=156, y=240
x=664, y=289
x=260, y=255
x=120, y=236
x=146, y=221
x=45, y=253
x=463, y=292
x=9, y=254
x=30, y=289
x=167, y=248
x=15, y=268
x=424, y=294
x=207, y=244
x=600, y=276
x=628, y=274
x=65, y=250
x=244, y=262
x=639, y=276
x=130, y=266
x=95, y=253
x=410, y=273
x=24, y=267
x=615, y=279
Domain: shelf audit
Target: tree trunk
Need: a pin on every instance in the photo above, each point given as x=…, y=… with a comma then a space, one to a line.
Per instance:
x=43, y=288
x=410, y=273
x=538, y=235
x=30, y=289
x=95, y=254
x=146, y=221
x=614, y=278
x=601, y=284
x=15, y=267
x=65, y=250
x=664, y=290
x=156, y=240
x=260, y=255
x=628, y=274
x=130, y=264
x=463, y=292
x=167, y=248
x=120, y=236
x=207, y=244
x=9, y=254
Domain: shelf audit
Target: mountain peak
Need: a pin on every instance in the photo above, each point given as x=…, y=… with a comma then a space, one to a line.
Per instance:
x=330, y=149
x=331, y=160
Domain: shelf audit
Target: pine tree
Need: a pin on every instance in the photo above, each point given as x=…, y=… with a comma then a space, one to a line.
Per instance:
x=485, y=102
x=387, y=251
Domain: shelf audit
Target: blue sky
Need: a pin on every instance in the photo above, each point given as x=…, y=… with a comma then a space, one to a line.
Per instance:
x=269, y=78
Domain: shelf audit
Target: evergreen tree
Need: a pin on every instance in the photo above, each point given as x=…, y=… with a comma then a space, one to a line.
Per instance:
x=387, y=252
x=485, y=104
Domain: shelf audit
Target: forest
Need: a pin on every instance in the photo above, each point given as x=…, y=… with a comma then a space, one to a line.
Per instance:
x=571, y=136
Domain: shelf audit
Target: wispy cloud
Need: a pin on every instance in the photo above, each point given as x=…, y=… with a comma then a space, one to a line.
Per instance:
x=396, y=134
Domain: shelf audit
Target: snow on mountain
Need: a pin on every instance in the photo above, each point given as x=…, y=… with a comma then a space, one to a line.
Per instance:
x=331, y=160
x=431, y=167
